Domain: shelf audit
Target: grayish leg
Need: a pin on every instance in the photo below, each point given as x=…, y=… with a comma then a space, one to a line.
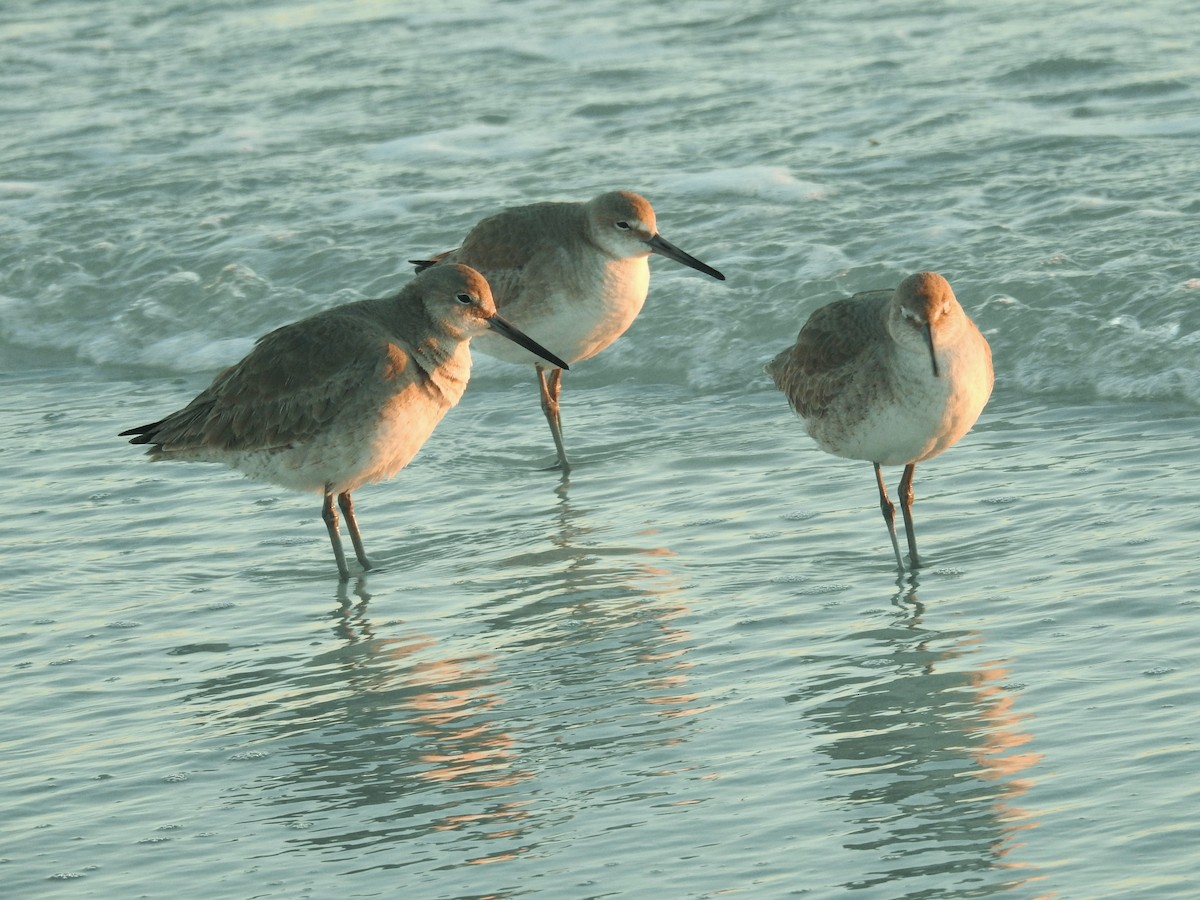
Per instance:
x=889, y=515
x=347, y=506
x=329, y=514
x=551, y=388
x=906, y=502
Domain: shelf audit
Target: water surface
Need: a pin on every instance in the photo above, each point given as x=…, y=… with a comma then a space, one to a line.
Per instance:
x=691, y=669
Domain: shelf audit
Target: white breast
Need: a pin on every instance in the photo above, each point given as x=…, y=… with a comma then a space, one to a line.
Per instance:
x=578, y=314
x=910, y=416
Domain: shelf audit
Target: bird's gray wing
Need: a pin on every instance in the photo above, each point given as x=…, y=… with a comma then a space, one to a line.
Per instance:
x=830, y=347
x=291, y=386
x=510, y=250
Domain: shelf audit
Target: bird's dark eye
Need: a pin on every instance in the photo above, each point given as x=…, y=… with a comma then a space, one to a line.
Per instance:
x=463, y=298
x=624, y=226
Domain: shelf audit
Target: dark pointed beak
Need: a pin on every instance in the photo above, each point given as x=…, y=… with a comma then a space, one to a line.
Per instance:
x=927, y=333
x=663, y=247
x=500, y=326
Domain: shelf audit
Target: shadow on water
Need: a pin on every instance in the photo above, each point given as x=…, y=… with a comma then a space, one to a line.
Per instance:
x=392, y=748
x=926, y=759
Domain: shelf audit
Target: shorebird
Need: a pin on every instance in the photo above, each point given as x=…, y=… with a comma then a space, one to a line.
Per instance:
x=574, y=275
x=344, y=397
x=891, y=377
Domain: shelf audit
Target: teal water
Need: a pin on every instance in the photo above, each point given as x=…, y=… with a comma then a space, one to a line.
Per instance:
x=691, y=669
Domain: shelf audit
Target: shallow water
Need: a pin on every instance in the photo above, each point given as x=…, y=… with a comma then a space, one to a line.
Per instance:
x=690, y=669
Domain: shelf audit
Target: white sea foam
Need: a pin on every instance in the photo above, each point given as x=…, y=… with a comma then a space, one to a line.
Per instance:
x=772, y=183
x=475, y=141
x=194, y=352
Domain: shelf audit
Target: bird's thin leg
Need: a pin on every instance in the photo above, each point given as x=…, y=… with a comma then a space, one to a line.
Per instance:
x=329, y=514
x=347, y=506
x=906, y=502
x=551, y=388
x=889, y=515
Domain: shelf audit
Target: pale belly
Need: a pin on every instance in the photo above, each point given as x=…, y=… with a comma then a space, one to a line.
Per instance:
x=360, y=447
x=574, y=324
x=930, y=416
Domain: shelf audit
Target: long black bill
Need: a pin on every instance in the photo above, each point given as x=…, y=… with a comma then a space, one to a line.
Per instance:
x=662, y=246
x=500, y=326
x=927, y=333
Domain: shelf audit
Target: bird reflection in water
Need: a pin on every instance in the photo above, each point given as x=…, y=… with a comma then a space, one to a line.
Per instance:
x=929, y=753
x=387, y=737
x=600, y=615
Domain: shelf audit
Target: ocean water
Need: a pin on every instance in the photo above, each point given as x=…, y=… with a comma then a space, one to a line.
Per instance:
x=691, y=669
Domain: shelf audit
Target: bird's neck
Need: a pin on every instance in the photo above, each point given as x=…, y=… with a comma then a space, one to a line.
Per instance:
x=446, y=363
x=443, y=358
x=626, y=279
